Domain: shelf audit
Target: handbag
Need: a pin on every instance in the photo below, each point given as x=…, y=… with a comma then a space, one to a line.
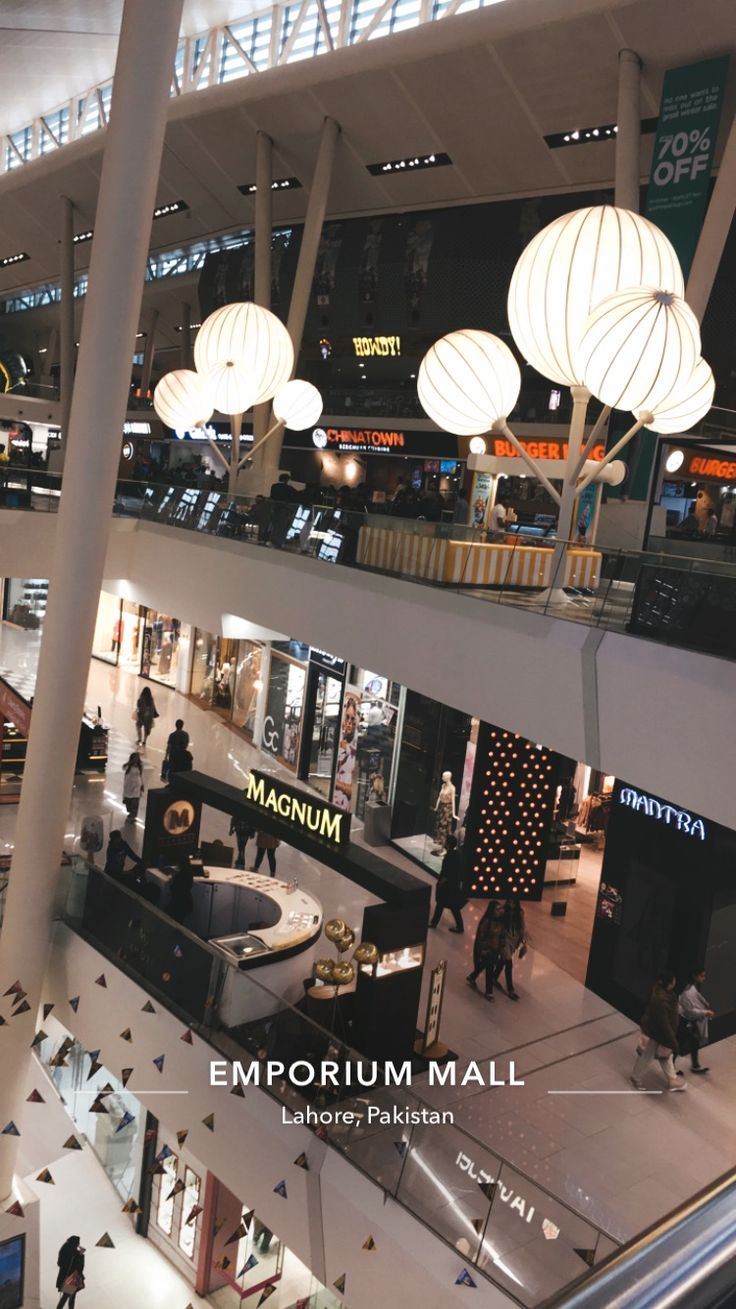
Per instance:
x=73, y=1283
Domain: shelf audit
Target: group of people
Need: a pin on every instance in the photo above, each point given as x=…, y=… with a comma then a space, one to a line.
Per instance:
x=501, y=934
x=672, y=1025
x=177, y=759
x=266, y=845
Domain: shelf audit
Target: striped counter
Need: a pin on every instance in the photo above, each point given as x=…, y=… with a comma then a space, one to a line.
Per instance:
x=472, y=563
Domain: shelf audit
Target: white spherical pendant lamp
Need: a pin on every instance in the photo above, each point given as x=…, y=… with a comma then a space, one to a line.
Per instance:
x=252, y=337
x=687, y=403
x=232, y=388
x=298, y=405
x=568, y=268
x=183, y=399
x=467, y=380
x=636, y=347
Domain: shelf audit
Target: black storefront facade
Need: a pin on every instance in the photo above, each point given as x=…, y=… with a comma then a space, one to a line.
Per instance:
x=667, y=900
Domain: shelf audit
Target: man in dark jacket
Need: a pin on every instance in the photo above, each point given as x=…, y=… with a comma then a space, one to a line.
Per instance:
x=176, y=749
x=449, y=894
x=658, y=1037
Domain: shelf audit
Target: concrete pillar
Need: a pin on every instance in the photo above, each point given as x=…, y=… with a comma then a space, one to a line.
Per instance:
x=629, y=131
x=716, y=227
x=66, y=316
x=130, y=170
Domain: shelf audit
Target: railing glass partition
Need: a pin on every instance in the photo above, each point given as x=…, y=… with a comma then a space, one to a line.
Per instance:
x=688, y=601
x=502, y=1224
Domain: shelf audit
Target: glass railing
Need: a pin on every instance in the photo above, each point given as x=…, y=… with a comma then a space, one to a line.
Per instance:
x=681, y=600
x=501, y=1222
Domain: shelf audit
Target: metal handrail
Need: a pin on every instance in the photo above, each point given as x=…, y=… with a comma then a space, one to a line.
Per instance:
x=686, y=1260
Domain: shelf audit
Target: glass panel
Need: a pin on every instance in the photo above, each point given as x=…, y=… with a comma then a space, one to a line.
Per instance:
x=248, y=684
x=222, y=699
x=161, y=638
x=190, y=1197
x=322, y=747
x=282, y=723
x=204, y=660
x=165, y=1206
x=108, y=628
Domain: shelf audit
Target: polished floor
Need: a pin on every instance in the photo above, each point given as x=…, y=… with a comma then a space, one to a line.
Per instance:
x=576, y=1127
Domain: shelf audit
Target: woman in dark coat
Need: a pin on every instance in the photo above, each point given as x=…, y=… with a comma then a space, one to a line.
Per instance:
x=488, y=946
x=449, y=894
x=70, y=1261
x=658, y=1037
x=145, y=713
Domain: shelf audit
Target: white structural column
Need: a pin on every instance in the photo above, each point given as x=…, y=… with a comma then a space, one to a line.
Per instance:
x=130, y=170
x=715, y=231
x=628, y=131
x=565, y=526
x=263, y=471
x=66, y=316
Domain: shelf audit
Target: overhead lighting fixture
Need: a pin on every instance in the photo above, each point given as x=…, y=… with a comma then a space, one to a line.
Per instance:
x=674, y=461
x=175, y=207
x=413, y=163
x=591, y=135
x=192, y=327
x=14, y=259
x=83, y=236
x=278, y=184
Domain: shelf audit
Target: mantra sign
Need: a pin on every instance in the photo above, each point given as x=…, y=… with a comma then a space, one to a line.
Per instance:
x=300, y=810
x=663, y=813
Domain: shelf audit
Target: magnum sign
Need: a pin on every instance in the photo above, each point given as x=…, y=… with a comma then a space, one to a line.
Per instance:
x=298, y=808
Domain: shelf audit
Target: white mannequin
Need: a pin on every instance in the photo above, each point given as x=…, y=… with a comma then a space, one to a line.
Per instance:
x=446, y=812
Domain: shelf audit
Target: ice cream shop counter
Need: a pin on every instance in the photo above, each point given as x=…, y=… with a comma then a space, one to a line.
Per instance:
x=255, y=922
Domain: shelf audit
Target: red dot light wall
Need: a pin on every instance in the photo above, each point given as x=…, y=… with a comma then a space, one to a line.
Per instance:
x=510, y=816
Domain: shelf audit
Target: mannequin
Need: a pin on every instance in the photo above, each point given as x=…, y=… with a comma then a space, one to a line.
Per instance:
x=445, y=812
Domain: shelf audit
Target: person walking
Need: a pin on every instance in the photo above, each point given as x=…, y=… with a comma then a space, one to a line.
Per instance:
x=241, y=829
x=266, y=845
x=449, y=893
x=658, y=1037
x=177, y=747
x=118, y=851
x=132, y=786
x=70, y=1278
x=514, y=939
x=489, y=940
x=694, y=1012
x=145, y=714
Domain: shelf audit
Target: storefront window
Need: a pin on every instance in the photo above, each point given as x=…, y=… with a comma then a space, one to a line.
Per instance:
x=281, y=728
x=203, y=665
x=248, y=684
x=131, y=637
x=225, y=673
x=378, y=705
x=435, y=741
x=108, y=628
x=161, y=636
x=191, y=1194
x=115, y=1135
x=25, y=602
x=167, y=1183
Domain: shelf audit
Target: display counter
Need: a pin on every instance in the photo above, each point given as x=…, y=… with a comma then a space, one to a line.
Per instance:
x=473, y=562
x=255, y=922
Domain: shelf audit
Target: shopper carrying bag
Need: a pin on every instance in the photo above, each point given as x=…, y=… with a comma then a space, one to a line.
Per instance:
x=70, y=1279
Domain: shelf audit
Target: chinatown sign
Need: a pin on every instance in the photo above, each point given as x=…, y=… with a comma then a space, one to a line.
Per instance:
x=345, y=438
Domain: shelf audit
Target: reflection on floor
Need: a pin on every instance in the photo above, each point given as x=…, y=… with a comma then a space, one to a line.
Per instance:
x=622, y=1160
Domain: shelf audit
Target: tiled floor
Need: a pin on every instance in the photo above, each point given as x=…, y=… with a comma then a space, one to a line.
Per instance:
x=620, y=1159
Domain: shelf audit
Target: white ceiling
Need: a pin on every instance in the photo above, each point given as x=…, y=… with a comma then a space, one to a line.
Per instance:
x=51, y=50
x=485, y=87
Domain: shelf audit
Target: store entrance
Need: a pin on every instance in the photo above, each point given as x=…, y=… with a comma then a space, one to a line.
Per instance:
x=325, y=694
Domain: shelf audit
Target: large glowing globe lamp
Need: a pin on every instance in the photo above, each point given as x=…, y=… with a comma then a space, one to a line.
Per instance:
x=636, y=346
x=183, y=399
x=232, y=388
x=467, y=381
x=244, y=334
x=687, y=403
x=298, y=405
x=569, y=267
